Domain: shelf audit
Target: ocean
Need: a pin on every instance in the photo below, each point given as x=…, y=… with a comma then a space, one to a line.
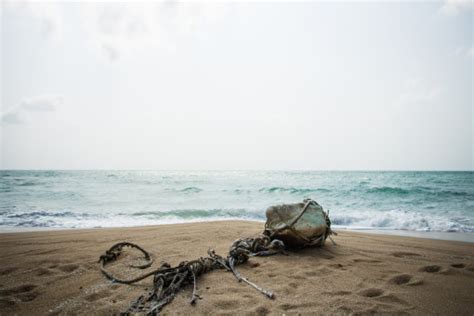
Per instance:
x=382, y=200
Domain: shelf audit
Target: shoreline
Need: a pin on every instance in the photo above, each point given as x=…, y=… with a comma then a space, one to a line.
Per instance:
x=435, y=235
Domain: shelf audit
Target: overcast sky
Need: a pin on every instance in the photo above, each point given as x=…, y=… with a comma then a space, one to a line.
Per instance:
x=229, y=85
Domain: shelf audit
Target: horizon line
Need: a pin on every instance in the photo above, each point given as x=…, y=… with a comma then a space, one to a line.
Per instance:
x=274, y=170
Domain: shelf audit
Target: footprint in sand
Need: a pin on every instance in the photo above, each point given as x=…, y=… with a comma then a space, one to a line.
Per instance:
x=43, y=272
x=430, y=269
x=371, y=292
x=458, y=265
x=405, y=279
x=68, y=268
x=400, y=279
x=23, y=293
x=18, y=289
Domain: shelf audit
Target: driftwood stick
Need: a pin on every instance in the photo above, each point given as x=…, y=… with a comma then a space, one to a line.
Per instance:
x=239, y=277
x=195, y=296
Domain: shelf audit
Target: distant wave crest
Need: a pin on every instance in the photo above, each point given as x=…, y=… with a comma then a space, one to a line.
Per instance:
x=191, y=190
x=291, y=190
x=202, y=214
x=388, y=190
x=36, y=214
x=415, y=190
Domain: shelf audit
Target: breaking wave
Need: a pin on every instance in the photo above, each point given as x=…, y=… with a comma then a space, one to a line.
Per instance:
x=393, y=220
x=402, y=220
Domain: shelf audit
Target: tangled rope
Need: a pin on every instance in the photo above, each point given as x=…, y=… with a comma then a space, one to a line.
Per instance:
x=168, y=281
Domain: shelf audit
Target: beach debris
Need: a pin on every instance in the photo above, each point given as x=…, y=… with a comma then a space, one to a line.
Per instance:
x=298, y=225
x=288, y=226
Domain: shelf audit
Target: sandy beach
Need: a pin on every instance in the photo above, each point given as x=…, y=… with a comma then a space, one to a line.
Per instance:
x=56, y=272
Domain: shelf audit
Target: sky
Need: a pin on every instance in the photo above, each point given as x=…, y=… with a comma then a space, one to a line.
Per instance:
x=237, y=85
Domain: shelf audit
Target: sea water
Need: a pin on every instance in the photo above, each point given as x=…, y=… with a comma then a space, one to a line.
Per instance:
x=400, y=201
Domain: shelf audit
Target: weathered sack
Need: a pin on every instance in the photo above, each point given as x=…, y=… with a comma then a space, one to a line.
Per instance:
x=298, y=225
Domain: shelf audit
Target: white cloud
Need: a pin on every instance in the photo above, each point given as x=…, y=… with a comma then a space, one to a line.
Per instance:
x=42, y=103
x=455, y=7
x=47, y=16
x=119, y=29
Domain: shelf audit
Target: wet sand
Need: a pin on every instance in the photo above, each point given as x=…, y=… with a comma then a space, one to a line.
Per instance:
x=56, y=272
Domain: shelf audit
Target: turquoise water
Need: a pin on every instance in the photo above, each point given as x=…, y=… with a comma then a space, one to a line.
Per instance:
x=405, y=201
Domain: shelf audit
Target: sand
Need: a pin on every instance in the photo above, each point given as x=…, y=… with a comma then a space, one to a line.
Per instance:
x=56, y=272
